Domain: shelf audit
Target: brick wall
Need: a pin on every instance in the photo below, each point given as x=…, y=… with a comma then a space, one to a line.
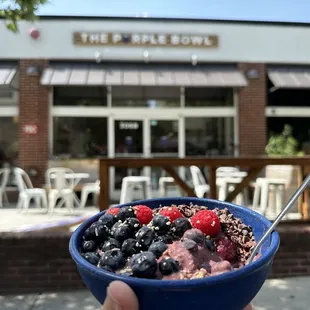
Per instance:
x=33, y=109
x=252, y=119
x=41, y=262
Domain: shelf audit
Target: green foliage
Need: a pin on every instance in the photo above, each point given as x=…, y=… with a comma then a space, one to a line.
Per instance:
x=283, y=144
x=15, y=10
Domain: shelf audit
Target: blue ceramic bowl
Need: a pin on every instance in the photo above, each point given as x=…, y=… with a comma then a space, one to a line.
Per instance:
x=229, y=291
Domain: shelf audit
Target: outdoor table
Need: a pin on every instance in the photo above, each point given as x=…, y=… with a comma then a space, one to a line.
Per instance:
x=77, y=177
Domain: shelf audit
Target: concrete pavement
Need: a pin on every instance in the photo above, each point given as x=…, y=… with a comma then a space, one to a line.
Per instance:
x=285, y=294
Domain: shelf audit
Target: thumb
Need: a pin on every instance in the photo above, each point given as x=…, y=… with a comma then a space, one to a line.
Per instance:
x=120, y=297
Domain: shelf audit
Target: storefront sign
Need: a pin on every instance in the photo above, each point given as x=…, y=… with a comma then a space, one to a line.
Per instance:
x=30, y=129
x=145, y=39
x=129, y=125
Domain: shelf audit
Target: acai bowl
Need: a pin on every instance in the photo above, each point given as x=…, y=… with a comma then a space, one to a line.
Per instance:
x=175, y=276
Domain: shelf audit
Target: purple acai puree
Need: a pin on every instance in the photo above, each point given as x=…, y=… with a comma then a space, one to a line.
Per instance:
x=196, y=261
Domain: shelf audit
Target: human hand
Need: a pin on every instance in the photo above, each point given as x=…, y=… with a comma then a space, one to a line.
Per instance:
x=121, y=297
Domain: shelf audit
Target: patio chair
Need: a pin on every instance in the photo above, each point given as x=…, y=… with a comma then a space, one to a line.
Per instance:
x=128, y=185
x=201, y=187
x=89, y=188
x=226, y=179
x=4, y=176
x=265, y=186
x=60, y=186
x=27, y=191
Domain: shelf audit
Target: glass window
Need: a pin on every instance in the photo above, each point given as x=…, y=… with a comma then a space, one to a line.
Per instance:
x=289, y=98
x=208, y=97
x=8, y=140
x=164, y=138
x=209, y=136
x=80, y=137
x=300, y=126
x=145, y=97
x=7, y=96
x=80, y=96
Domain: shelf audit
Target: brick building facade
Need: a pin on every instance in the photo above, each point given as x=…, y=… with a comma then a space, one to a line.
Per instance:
x=172, y=92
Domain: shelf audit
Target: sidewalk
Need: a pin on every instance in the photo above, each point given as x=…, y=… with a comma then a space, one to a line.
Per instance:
x=286, y=294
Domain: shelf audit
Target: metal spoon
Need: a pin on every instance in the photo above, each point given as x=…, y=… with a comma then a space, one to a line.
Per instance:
x=291, y=202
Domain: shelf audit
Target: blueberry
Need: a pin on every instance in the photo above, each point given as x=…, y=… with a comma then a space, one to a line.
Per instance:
x=161, y=224
x=124, y=213
x=107, y=268
x=108, y=220
x=89, y=246
x=129, y=247
x=89, y=233
x=158, y=248
x=114, y=227
x=168, y=266
x=196, y=235
x=180, y=226
x=190, y=245
x=101, y=231
x=145, y=236
x=92, y=258
x=134, y=224
x=121, y=233
x=110, y=244
x=113, y=259
x=210, y=245
x=168, y=239
x=144, y=265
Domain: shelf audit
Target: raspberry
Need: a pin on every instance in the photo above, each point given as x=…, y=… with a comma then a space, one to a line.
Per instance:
x=226, y=249
x=207, y=221
x=113, y=211
x=171, y=212
x=143, y=213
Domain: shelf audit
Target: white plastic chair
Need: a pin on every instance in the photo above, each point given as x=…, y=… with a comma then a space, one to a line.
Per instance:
x=200, y=185
x=226, y=179
x=4, y=176
x=60, y=186
x=128, y=185
x=89, y=188
x=27, y=191
x=265, y=186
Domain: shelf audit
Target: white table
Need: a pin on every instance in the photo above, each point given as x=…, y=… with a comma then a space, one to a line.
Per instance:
x=77, y=177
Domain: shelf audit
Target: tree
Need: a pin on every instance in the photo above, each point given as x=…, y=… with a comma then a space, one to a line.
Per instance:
x=15, y=10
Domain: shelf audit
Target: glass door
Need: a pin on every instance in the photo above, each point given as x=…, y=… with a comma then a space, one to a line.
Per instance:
x=164, y=141
x=128, y=142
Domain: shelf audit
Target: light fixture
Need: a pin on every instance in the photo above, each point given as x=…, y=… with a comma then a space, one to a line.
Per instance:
x=146, y=56
x=194, y=59
x=33, y=70
x=98, y=56
x=252, y=74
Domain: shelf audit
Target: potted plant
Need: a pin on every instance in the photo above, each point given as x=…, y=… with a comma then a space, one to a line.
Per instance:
x=284, y=144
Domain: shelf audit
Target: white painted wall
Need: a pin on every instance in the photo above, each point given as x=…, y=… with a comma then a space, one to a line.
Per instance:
x=268, y=43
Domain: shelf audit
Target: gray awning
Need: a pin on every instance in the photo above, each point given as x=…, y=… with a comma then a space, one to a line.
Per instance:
x=290, y=77
x=7, y=74
x=147, y=76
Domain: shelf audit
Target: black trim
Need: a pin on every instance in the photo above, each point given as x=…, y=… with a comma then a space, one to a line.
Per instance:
x=166, y=19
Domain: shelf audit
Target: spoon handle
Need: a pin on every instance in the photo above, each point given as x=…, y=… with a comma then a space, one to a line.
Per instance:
x=291, y=202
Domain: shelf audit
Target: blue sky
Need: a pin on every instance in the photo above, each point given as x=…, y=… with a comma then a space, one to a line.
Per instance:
x=261, y=10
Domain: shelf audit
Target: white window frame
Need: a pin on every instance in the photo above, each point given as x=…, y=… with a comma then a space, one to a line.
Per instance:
x=272, y=111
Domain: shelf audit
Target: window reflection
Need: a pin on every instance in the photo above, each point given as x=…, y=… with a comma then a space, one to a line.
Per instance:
x=80, y=137
x=80, y=96
x=8, y=141
x=208, y=97
x=145, y=97
x=209, y=136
